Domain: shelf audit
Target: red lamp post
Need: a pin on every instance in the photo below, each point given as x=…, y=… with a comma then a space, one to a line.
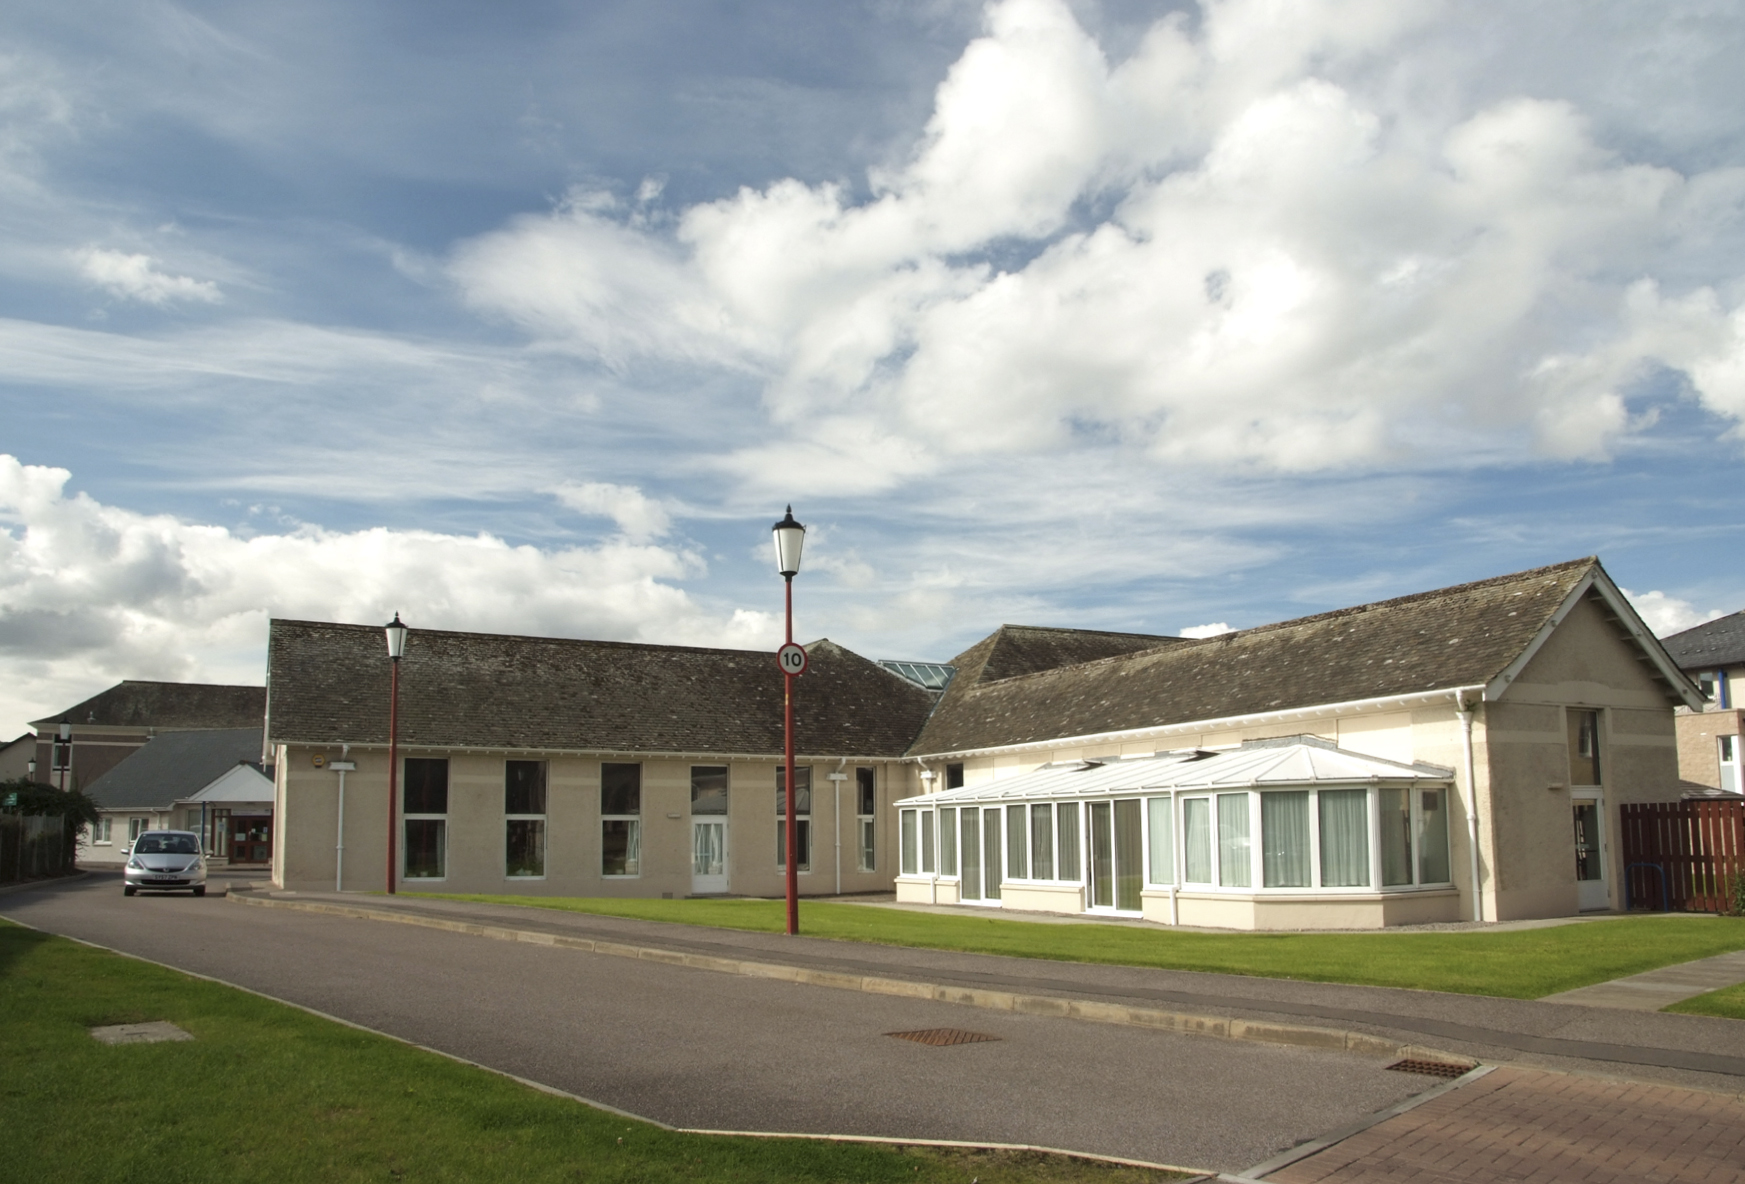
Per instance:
x=66, y=747
x=396, y=646
x=790, y=537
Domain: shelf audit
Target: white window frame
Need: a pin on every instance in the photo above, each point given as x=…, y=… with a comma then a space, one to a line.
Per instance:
x=100, y=831
x=406, y=819
x=545, y=832
x=866, y=848
x=801, y=821
x=635, y=821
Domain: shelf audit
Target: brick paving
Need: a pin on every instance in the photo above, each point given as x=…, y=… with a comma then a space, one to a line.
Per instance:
x=1518, y=1125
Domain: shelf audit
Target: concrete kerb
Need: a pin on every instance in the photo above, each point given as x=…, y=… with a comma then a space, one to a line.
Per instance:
x=1092, y=1011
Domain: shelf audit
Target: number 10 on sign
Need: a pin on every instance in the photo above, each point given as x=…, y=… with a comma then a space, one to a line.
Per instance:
x=792, y=659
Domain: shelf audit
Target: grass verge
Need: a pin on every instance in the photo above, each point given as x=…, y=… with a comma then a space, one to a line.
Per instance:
x=1729, y=1003
x=267, y=1092
x=1517, y=964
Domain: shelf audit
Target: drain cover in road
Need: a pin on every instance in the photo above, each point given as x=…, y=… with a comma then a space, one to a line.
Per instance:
x=941, y=1037
x=152, y=1033
x=1446, y=1069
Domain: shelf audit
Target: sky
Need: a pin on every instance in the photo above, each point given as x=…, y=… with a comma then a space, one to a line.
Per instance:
x=1162, y=317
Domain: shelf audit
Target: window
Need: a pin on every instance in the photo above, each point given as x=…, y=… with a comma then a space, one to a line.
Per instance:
x=991, y=854
x=866, y=812
x=1017, y=834
x=1197, y=840
x=1344, y=817
x=620, y=820
x=524, y=818
x=802, y=817
x=1162, y=835
x=954, y=776
x=1432, y=832
x=1129, y=865
x=1284, y=839
x=948, y=842
x=1042, y=842
x=1235, y=864
x=100, y=831
x=908, y=842
x=60, y=756
x=1584, y=747
x=708, y=789
x=1102, y=856
x=928, y=838
x=970, y=844
x=1729, y=758
x=424, y=801
x=1395, y=807
x=1066, y=834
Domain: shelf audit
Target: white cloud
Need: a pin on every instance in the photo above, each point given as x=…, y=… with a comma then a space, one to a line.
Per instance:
x=91, y=593
x=1667, y=615
x=1212, y=630
x=639, y=517
x=1297, y=267
x=136, y=277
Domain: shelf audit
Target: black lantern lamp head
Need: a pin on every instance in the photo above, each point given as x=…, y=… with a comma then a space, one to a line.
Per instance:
x=790, y=538
x=396, y=637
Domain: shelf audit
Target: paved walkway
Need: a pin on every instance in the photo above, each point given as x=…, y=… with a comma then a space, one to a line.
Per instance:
x=1522, y=1125
x=1697, y=1051
x=1655, y=989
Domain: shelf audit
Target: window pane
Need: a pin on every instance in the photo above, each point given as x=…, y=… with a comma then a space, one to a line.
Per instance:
x=424, y=847
x=1162, y=841
x=526, y=848
x=1102, y=856
x=709, y=849
x=523, y=787
x=1584, y=747
x=620, y=790
x=1066, y=832
x=1017, y=834
x=866, y=801
x=928, y=838
x=908, y=841
x=1344, y=838
x=1197, y=840
x=802, y=798
x=426, y=788
x=803, y=832
x=991, y=854
x=708, y=789
x=1042, y=842
x=1432, y=837
x=1587, y=841
x=620, y=847
x=1284, y=839
x=1396, y=837
x=970, y=844
x=867, y=850
x=1235, y=864
x=1129, y=870
x=947, y=842
x=954, y=776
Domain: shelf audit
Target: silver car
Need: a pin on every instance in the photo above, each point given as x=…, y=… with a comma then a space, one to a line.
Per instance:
x=166, y=861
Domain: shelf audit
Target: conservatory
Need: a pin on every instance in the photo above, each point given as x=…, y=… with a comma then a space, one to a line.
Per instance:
x=1291, y=833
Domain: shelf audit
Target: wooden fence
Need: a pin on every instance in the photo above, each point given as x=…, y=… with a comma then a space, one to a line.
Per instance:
x=32, y=847
x=1683, y=856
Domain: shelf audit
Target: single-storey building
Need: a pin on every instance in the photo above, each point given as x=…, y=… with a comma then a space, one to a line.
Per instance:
x=1457, y=754
x=1713, y=656
x=112, y=724
x=210, y=782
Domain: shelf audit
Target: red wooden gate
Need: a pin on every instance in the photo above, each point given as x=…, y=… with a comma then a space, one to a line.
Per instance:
x=1697, y=848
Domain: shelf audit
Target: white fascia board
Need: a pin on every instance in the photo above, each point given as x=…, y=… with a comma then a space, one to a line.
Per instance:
x=624, y=754
x=1414, y=699
x=1596, y=580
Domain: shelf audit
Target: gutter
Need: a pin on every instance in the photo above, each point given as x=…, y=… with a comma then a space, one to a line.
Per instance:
x=1454, y=695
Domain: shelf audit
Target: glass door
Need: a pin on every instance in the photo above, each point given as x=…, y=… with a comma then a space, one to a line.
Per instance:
x=970, y=884
x=991, y=854
x=1102, y=856
x=708, y=856
x=1590, y=858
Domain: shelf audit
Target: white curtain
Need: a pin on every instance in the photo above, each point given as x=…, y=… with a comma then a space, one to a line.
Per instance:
x=1344, y=838
x=1284, y=839
x=1197, y=831
x=1162, y=840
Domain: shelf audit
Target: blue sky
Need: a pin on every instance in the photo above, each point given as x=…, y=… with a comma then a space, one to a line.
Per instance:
x=1126, y=315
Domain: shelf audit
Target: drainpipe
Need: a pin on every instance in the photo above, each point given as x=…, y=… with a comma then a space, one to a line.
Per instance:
x=1465, y=710
x=836, y=779
x=342, y=766
x=1178, y=849
x=928, y=776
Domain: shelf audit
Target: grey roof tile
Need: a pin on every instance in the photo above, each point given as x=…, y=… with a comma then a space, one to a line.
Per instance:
x=164, y=705
x=1720, y=642
x=175, y=765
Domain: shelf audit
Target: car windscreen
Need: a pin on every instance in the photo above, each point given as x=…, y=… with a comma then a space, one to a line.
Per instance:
x=150, y=844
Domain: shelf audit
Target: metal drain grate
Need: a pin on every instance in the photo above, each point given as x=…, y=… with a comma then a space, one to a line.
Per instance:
x=943, y=1037
x=1446, y=1069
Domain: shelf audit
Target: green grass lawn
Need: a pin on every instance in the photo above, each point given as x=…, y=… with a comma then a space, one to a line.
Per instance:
x=1519, y=964
x=1728, y=1003
x=268, y=1092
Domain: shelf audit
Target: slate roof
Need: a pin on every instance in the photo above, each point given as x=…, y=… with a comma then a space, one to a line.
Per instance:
x=329, y=685
x=1460, y=636
x=1720, y=642
x=166, y=705
x=175, y=765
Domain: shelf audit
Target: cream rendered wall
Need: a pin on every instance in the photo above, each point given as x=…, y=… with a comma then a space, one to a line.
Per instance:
x=1583, y=664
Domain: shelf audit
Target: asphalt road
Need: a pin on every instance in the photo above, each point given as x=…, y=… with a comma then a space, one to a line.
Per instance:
x=694, y=1048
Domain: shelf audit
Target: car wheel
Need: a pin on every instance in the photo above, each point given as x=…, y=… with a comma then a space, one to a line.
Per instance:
x=200, y=891
x=129, y=890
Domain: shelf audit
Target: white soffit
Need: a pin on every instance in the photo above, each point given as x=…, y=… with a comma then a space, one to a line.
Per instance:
x=243, y=783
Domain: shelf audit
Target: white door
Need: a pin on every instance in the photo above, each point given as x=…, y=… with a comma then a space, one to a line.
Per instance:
x=1590, y=855
x=708, y=855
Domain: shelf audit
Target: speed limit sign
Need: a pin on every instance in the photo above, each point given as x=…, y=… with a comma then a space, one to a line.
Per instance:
x=792, y=659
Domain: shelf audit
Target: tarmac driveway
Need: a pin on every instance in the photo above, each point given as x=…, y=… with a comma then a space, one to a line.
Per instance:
x=699, y=1049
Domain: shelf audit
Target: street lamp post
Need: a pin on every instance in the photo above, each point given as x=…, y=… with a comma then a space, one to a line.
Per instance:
x=66, y=752
x=396, y=646
x=790, y=537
